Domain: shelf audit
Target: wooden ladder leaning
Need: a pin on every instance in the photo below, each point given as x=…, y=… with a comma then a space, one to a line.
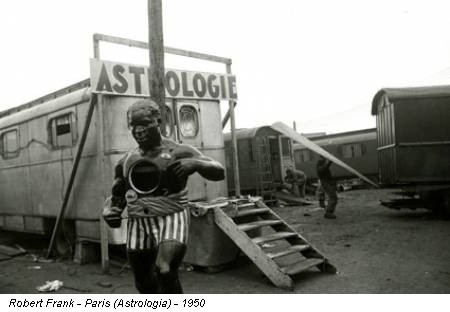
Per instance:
x=280, y=252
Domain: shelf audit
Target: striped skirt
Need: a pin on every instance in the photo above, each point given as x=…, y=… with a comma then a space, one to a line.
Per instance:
x=145, y=231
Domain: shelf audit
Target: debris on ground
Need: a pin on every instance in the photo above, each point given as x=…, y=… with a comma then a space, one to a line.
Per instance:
x=36, y=258
x=104, y=284
x=12, y=251
x=34, y=267
x=50, y=286
x=4, y=257
x=77, y=289
x=186, y=267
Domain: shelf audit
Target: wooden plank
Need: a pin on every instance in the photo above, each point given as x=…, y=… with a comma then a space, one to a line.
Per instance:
x=11, y=251
x=288, y=251
x=246, y=205
x=249, y=212
x=170, y=50
x=257, y=224
x=235, y=162
x=311, y=252
x=273, y=237
x=287, y=131
x=292, y=198
x=254, y=252
x=73, y=173
x=301, y=266
x=156, y=58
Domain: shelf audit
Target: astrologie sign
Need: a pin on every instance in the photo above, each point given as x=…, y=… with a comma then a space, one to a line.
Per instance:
x=132, y=80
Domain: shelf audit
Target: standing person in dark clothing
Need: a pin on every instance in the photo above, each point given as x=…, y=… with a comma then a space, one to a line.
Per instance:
x=150, y=181
x=328, y=187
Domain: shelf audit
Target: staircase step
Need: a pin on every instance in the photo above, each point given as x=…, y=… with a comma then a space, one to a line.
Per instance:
x=249, y=212
x=273, y=237
x=288, y=251
x=246, y=205
x=301, y=266
x=257, y=224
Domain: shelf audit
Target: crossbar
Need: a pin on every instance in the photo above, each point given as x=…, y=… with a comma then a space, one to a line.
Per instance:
x=144, y=45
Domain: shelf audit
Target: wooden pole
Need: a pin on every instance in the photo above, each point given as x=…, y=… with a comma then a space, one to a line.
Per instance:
x=237, y=181
x=156, y=57
x=68, y=191
x=227, y=116
x=104, y=240
x=104, y=237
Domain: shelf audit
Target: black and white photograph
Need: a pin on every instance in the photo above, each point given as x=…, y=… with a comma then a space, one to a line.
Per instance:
x=206, y=147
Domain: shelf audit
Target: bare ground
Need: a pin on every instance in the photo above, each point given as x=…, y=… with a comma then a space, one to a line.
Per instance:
x=376, y=250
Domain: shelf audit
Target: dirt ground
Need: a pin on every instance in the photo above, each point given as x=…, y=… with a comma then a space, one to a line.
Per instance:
x=376, y=250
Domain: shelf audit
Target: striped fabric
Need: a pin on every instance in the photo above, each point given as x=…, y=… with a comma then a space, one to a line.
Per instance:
x=145, y=231
x=152, y=206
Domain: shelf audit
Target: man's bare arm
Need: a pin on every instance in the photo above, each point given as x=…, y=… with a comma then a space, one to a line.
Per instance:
x=205, y=166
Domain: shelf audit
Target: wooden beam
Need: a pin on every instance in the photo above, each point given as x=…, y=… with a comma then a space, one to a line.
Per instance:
x=156, y=58
x=237, y=181
x=73, y=173
x=103, y=227
x=254, y=252
x=169, y=50
x=227, y=116
x=287, y=131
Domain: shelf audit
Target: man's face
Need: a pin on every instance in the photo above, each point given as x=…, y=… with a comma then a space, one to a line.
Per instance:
x=145, y=131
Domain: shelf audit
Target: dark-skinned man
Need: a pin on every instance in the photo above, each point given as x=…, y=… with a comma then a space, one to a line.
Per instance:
x=151, y=182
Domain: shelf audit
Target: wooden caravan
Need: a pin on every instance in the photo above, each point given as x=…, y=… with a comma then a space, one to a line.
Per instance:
x=413, y=131
x=413, y=140
x=38, y=146
x=356, y=148
x=263, y=156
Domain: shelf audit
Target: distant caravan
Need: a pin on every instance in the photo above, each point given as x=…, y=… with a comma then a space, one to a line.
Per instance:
x=263, y=155
x=413, y=131
x=358, y=149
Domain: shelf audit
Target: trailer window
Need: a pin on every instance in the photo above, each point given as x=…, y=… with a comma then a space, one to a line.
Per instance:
x=303, y=155
x=245, y=150
x=250, y=150
x=10, y=144
x=285, y=147
x=188, y=121
x=62, y=133
x=352, y=150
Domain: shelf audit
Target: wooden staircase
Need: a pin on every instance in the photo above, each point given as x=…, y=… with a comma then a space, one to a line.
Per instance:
x=275, y=247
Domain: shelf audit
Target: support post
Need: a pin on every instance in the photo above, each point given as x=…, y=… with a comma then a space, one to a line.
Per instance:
x=156, y=58
x=104, y=239
x=237, y=181
x=73, y=173
x=227, y=116
x=280, y=148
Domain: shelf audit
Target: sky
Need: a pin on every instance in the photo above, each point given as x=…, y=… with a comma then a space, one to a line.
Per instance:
x=318, y=63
